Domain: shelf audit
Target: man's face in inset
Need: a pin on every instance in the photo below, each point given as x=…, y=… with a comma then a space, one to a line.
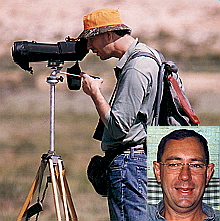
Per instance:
x=183, y=174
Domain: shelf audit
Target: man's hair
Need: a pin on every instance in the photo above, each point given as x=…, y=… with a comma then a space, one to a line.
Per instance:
x=122, y=33
x=181, y=134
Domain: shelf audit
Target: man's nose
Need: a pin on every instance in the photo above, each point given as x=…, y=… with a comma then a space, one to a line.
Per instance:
x=185, y=173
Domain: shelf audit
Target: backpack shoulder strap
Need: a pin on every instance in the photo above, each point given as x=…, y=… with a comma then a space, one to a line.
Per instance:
x=158, y=98
x=150, y=55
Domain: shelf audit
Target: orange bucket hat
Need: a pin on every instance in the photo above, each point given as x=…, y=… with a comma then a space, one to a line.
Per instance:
x=101, y=21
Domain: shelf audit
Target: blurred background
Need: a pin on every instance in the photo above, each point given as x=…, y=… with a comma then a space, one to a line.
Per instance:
x=186, y=32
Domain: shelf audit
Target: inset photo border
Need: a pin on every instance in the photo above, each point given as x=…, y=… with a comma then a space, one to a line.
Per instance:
x=212, y=135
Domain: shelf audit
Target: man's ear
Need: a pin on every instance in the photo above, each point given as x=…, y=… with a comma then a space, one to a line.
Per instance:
x=209, y=172
x=157, y=170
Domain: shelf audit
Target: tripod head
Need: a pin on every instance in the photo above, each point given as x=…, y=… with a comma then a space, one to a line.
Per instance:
x=73, y=74
x=57, y=65
x=53, y=64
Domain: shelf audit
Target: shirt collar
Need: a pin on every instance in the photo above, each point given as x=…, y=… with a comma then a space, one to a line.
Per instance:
x=160, y=207
x=208, y=210
x=124, y=58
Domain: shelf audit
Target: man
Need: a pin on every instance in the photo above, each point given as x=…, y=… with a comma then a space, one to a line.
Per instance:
x=183, y=169
x=133, y=97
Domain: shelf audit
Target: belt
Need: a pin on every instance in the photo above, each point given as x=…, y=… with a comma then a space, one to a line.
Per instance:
x=136, y=149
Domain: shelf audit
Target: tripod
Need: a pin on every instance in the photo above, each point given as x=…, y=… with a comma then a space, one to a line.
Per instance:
x=66, y=210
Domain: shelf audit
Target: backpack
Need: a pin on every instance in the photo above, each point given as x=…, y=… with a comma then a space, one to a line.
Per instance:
x=171, y=106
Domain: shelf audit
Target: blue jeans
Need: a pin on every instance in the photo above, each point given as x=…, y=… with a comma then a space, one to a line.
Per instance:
x=127, y=187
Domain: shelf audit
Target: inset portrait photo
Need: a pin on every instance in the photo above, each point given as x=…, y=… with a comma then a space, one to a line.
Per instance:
x=183, y=170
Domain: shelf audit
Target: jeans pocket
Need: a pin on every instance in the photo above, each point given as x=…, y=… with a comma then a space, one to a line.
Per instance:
x=142, y=179
x=115, y=175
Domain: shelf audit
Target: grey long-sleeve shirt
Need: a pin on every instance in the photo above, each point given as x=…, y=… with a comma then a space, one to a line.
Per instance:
x=135, y=92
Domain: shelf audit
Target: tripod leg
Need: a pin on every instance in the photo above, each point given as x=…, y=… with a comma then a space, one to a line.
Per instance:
x=53, y=180
x=62, y=190
x=29, y=197
x=69, y=198
x=65, y=193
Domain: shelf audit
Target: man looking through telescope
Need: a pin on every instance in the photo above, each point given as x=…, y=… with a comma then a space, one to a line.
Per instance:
x=133, y=96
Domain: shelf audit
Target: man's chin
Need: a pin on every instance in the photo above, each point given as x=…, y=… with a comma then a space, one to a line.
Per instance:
x=186, y=205
x=183, y=204
x=103, y=59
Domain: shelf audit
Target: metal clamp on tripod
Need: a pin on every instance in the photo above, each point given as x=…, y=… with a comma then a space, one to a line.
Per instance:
x=63, y=202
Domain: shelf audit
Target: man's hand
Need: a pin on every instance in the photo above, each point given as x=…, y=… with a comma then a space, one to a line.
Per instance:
x=91, y=86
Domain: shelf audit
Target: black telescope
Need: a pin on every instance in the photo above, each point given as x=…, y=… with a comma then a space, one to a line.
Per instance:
x=24, y=52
